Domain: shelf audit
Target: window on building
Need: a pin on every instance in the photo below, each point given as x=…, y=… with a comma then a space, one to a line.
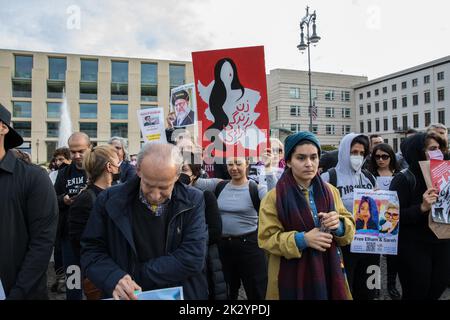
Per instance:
x=405, y=122
x=441, y=116
x=314, y=94
x=21, y=88
x=361, y=109
x=23, y=128
x=21, y=109
x=348, y=129
x=415, y=120
x=295, y=127
x=295, y=111
x=177, y=75
x=119, y=80
x=377, y=92
x=329, y=112
x=51, y=147
x=345, y=96
x=23, y=66
x=404, y=101
x=426, y=79
x=384, y=90
x=377, y=125
x=440, y=76
x=330, y=129
x=88, y=81
x=55, y=89
x=89, y=70
x=415, y=99
x=276, y=112
x=385, y=124
x=369, y=126
x=394, y=87
x=88, y=111
x=57, y=69
x=415, y=82
x=346, y=113
x=427, y=119
x=395, y=144
x=361, y=127
x=52, y=129
x=385, y=105
x=294, y=93
x=90, y=128
x=149, y=82
x=119, y=129
x=441, y=94
x=329, y=95
x=394, y=123
x=119, y=111
x=53, y=110
x=426, y=97
x=368, y=94
x=394, y=103
x=404, y=85
x=361, y=96
x=369, y=108
x=315, y=129
x=377, y=106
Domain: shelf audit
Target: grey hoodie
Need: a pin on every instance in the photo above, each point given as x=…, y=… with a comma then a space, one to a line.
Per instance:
x=347, y=178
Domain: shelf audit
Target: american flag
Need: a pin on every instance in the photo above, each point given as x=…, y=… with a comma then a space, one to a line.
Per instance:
x=314, y=111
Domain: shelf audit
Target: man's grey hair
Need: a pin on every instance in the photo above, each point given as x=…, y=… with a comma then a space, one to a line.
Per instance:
x=437, y=126
x=161, y=153
x=124, y=143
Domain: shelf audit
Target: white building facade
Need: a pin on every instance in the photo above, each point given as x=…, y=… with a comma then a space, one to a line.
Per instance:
x=409, y=99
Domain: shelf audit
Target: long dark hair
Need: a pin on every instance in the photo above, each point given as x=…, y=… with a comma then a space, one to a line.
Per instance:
x=219, y=94
x=393, y=165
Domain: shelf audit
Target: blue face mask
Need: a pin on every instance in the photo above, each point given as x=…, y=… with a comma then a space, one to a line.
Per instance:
x=436, y=155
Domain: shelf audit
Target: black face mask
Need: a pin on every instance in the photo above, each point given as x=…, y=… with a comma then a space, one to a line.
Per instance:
x=115, y=177
x=184, y=178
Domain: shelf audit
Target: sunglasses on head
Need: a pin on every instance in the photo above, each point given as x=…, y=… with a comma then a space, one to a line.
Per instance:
x=393, y=215
x=381, y=156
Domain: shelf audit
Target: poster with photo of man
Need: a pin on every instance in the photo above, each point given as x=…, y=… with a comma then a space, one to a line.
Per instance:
x=183, y=103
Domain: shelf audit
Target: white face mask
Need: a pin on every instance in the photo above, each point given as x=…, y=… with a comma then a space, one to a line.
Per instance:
x=356, y=162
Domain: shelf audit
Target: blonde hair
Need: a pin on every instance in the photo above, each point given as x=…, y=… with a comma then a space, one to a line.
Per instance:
x=391, y=206
x=95, y=160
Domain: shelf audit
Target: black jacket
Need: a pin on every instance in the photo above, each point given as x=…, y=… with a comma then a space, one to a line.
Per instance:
x=413, y=222
x=63, y=186
x=28, y=221
x=108, y=251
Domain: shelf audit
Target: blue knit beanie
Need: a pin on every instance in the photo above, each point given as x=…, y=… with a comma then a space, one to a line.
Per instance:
x=294, y=139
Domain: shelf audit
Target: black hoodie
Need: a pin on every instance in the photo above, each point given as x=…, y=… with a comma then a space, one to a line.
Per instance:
x=413, y=222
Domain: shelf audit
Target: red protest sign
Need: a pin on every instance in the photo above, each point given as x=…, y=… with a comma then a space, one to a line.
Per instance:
x=232, y=101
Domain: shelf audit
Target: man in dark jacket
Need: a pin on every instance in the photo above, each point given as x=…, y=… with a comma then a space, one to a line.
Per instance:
x=148, y=233
x=28, y=220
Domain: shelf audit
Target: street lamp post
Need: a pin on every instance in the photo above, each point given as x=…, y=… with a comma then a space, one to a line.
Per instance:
x=314, y=38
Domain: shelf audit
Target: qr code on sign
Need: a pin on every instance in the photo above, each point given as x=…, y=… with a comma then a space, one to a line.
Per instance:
x=371, y=247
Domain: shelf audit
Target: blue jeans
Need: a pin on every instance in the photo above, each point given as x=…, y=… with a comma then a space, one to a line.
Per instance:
x=70, y=258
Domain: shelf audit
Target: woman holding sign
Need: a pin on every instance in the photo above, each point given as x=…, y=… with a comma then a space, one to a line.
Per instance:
x=302, y=223
x=424, y=260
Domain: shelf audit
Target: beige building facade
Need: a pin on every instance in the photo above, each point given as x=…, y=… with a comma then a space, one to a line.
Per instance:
x=333, y=97
x=103, y=95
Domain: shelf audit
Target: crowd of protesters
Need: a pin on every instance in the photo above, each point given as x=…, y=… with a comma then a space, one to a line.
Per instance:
x=279, y=226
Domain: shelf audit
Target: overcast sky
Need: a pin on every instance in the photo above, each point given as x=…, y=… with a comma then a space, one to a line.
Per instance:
x=359, y=37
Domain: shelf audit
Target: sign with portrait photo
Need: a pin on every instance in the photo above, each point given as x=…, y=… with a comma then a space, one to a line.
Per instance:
x=377, y=217
x=151, y=122
x=183, y=102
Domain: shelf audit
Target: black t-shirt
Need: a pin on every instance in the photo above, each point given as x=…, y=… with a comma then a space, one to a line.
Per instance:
x=149, y=231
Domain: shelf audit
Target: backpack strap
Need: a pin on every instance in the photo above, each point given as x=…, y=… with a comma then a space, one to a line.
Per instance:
x=254, y=194
x=219, y=188
x=333, y=176
x=369, y=176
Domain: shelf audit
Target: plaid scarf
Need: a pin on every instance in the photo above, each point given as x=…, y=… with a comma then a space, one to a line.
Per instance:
x=316, y=275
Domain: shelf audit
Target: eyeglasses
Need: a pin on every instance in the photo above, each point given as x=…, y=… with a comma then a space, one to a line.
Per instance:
x=382, y=156
x=277, y=150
